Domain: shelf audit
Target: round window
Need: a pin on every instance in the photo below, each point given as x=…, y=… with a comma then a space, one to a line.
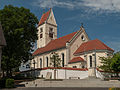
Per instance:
x=83, y=38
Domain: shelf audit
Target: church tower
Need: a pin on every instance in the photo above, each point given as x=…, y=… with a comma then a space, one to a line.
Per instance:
x=47, y=29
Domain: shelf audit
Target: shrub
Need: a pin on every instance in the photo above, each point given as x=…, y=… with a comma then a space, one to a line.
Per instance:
x=2, y=82
x=9, y=83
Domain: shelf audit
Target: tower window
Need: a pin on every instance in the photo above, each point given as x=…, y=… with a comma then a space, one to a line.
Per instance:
x=40, y=35
x=51, y=32
x=90, y=61
x=41, y=30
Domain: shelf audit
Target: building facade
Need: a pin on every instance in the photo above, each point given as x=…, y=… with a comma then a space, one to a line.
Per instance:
x=78, y=53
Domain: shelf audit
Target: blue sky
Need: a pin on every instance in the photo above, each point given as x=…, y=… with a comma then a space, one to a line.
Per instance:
x=101, y=18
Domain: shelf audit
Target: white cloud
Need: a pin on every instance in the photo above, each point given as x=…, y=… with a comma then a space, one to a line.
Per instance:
x=105, y=5
x=54, y=3
x=90, y=5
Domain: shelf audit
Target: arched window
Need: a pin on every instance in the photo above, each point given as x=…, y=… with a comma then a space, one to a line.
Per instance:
x=63, y=59
x=90, y=61
x=40, y=63
x=46, y=61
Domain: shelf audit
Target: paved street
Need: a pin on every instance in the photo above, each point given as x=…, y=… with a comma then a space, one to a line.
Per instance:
x=58, y=88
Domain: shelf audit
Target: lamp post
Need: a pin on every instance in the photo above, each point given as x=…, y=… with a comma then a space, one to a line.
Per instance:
x=34, y=72
x=65, y=72
x=34, y=68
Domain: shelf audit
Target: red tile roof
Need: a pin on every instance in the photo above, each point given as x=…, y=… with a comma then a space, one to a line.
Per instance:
x=92, y=45
x=76, y=59
x=55, y=44
x=44, y=17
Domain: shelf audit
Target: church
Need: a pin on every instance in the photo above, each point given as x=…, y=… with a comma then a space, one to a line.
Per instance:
x=79, y=55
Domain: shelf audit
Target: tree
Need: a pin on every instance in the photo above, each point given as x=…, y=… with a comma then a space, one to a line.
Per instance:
x=115, y=65
x=56, y=62
x=19, y=26
x=111, y=64
x=106, y=63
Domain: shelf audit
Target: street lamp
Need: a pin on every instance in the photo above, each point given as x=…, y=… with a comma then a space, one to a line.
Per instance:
x=34, y=68
x=65, y=72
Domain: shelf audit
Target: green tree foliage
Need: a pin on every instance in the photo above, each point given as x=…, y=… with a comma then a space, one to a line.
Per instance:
x=106, y=63
x=111, y=64
x=19, y=26
x=115, y=65
x=55, y=60
x=10, y=83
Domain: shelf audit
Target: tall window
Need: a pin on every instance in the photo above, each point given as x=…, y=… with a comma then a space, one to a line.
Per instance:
x=51, y=32
x=41, y=30
x=63, y=59
x=40, y=63
x=41, y=35
x=90, y=61
x=46, y=61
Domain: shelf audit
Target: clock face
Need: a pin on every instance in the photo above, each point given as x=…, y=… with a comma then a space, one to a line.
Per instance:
x=83, y=38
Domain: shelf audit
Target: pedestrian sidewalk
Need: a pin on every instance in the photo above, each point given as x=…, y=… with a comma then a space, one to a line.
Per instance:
x=72, y=83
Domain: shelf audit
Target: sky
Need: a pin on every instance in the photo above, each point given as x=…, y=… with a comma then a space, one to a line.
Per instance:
x=100, y=18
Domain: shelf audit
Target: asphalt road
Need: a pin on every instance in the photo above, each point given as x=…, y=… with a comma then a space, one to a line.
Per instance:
x=58, y=88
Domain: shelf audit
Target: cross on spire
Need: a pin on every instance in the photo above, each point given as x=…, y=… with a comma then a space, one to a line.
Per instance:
x=81, y=24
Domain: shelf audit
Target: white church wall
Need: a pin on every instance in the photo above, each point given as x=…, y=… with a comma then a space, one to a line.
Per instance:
x=78, y=65
x=41, y=41
x=65, y=74
x=98, y=55
x=43, y=58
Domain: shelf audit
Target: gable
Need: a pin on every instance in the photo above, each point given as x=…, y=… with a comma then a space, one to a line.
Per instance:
x=76, y=41
x=51, y=18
